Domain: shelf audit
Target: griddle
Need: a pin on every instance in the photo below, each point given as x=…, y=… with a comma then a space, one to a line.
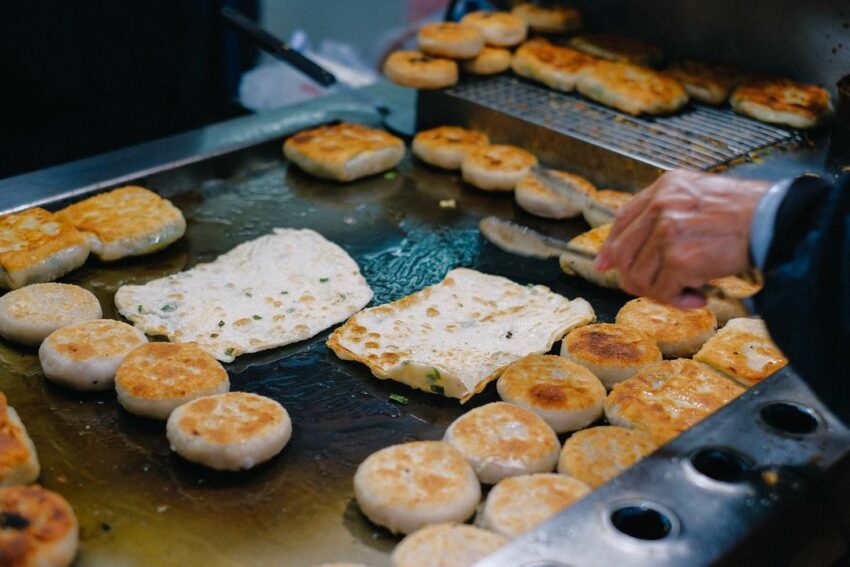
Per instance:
x=773, y=481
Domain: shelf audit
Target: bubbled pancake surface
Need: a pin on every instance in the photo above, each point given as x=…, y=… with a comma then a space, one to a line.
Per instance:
x=667, y=398
x=501, y=440
x=596, y=455
x=454, y=337
x=519, y=504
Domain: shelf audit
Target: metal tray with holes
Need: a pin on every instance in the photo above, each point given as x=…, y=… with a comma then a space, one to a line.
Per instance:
x=757, y=476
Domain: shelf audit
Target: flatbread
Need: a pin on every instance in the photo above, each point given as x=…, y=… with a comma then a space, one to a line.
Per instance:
x=618, y=48
x=456, y=336
x=782, y=101
x=275, y=290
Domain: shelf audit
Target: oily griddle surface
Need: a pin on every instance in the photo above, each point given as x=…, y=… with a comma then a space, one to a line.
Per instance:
x=140, y=504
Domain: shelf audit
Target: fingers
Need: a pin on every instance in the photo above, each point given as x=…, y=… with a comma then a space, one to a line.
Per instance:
x=689, y=300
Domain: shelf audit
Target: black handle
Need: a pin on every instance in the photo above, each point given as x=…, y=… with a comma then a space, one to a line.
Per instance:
x=277, y=48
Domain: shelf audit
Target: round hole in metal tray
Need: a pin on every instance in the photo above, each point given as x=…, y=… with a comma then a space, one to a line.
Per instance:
x=790, y=418
x=643, y=521
x=721, y=464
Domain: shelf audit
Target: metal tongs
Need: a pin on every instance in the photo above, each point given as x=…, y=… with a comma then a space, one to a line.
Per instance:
x=279, y=49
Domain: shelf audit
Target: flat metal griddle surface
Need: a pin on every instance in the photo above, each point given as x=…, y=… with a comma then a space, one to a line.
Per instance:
x=138, y=503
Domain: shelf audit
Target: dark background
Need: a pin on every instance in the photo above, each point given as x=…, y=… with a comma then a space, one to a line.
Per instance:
x=87, y=76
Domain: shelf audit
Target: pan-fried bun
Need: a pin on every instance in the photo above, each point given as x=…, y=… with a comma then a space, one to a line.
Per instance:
x=618, y=48
x=782, y=101
x=553, y=65
x=344, y=151
x=677, y=332
x=667, y=398
x=609, y=199
x=450, y=39
x=579, y=260
x=726, y=309
x=710, y=83
x=85, y=356
x=446, y=146
x=501, y=440
x=519, y=504
x=446, y=545
x=743, y=351
x=417, y=70
x=631, y=89
x=548, y=19
x=37, y=246
x=156, y=378
x=612, y=352
x=536, y=197
x=499, y=29
x=566, y=395
x=18, y=458
x=29, y=314
x=39, y=528
x=596, y=455
x=231, y=432
x=496, y=167
x=490, y=61
x=408, y=486
x=129, y=221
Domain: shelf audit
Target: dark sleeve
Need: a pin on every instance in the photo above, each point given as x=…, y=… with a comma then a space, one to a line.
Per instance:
x=806, y=298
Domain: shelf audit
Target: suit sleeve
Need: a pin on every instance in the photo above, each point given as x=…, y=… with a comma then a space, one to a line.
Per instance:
x=806, y=298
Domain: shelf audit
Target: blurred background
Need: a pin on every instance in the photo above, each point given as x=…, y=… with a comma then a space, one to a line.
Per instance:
x=89, y=76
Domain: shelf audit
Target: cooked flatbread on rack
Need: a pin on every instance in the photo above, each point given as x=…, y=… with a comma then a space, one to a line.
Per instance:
x=456, y=336
x=275, y=290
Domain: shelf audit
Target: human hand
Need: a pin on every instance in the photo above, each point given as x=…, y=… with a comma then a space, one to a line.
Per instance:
x=680, y=232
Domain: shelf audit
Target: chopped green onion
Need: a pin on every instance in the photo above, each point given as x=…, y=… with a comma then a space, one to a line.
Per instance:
x=139, y=309
x=213, y=335
x=433, y=376
x=399, y=399
x=323, y=280
x=221, y=323
x=284, y=293
x=256, y=317
x=249, y=294
x=438, y=389
x=229, y=352
x=405, y=362
x=390, y=175
x=167, y=308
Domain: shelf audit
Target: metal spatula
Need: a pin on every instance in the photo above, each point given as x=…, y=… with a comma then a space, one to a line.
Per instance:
x=279, y=49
